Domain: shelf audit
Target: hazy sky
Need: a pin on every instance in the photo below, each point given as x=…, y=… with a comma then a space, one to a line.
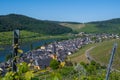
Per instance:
x=63, y=10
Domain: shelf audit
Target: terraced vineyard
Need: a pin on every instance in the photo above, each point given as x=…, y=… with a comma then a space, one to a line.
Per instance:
x=102, y=52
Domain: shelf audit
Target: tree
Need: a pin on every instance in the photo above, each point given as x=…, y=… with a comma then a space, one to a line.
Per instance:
x=54, y=64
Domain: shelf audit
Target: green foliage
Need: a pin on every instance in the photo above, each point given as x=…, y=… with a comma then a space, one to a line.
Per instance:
x=114, y=75
x=15, y=21
x=54, y=64
x=35, y=78
x=9, y=76
x=65, y=70
x=68, y=63
x=13, y=76
x=68, y=73
x=22, y=67
x=29, y=75
x=92, y=67
x=55, y=76
x=93, y=62
x=108, y=26
x=28, y=36
x=84, y=65
x=23, y=73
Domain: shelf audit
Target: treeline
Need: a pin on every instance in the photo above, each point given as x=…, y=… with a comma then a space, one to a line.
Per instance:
x=15, y=21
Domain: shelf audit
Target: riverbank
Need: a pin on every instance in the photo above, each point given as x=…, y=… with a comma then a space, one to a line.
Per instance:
x=6, y=38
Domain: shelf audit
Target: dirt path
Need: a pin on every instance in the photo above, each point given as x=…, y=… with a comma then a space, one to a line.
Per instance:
x=87, y=54
x=85, y=57
x=89, y=58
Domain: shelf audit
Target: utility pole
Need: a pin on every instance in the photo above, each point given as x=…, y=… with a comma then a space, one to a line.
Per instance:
x=16, y=34
x=111, y=60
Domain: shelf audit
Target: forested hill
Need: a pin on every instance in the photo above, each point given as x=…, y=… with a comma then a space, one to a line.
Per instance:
x=110, y=26
x=106, y=26
x=15, y=21
x=111, y=21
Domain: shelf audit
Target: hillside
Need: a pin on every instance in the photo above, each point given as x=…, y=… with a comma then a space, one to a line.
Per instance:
x=102, y=52
x=15, y=21
x=74, y=26
x=107, y=26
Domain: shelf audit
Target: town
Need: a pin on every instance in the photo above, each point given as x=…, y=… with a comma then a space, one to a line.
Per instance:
x=40, y=58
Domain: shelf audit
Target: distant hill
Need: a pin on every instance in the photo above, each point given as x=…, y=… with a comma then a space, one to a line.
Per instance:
x=107, y=26
x=63, y=22
x=15, y=21
x=112, y=21
x=75, y=26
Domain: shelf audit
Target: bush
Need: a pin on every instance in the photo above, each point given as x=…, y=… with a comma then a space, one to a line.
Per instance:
x=54, y=64
x=93, y=62
x=22, y=67
x=68, y=63
x=35, y=79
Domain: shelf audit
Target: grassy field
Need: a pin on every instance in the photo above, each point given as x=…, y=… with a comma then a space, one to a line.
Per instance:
x=79, y=56
x=74, y=27
x=93, y=28
x=102, y=52
x=89, y=28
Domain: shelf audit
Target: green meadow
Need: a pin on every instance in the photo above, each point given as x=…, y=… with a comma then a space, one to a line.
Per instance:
x=102, y=52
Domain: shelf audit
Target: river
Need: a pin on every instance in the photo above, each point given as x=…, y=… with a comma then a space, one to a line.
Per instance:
x=25, y=47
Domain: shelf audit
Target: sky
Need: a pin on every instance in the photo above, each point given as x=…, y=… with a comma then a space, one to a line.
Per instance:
x=63, y=10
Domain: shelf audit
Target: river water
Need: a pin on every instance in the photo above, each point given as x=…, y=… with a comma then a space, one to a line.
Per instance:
x=25, y=47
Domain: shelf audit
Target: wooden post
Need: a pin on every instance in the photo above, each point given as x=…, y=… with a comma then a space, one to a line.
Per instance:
x=16, y=34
